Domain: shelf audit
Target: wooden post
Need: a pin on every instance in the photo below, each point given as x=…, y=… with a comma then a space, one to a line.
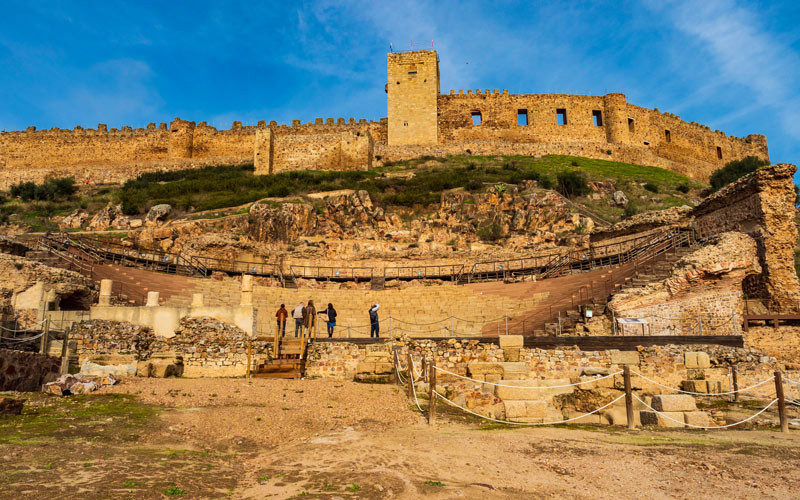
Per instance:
x=45, y=331
x=506, y=316
x=410, y=375
x=626, y=375
x=65, y=354
x=277, y=340
x=735, y=383
x=248, y=358
x=431, y=388
x=781, y=401
x=424, y=368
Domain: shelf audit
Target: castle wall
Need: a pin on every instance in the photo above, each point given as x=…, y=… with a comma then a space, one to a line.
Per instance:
x=647, y=136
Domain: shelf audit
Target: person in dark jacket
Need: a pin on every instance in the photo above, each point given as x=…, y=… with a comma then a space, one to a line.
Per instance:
x=329, y=315
x=281, y=316
x=374, y=322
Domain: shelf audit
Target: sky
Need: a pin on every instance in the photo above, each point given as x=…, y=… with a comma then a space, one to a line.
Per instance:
x=731, y=65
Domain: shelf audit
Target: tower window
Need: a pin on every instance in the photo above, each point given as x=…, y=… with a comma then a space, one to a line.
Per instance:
x=667, y=136
x=597, y=118
x=522, y=117
x=719, y=153
x=561, y=116
x=477, y=119
x=631, y=125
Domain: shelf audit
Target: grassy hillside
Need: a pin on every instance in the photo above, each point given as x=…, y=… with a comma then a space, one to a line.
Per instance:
x=416, y=183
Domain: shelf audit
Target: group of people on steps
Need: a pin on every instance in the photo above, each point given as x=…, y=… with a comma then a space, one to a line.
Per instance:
x=305, y=316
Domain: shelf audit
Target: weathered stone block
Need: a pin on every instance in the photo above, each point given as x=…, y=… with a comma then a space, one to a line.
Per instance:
x=696, y=360
x=665, y=419
x=522, y=409
x=365, y=367
x=715, y=386
x=625, y=357
x=507, y=341
x=695, y=374
x=694, y=386
x=673, y=402
x=696, y=418
x=484, y=368
x=383, y=368
x=532, y=389
x=511, y=354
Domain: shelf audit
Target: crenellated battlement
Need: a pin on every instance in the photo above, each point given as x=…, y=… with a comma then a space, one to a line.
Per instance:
x=421, y=121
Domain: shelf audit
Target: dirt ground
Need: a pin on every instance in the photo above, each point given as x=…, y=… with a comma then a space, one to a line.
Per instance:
x=234, y=438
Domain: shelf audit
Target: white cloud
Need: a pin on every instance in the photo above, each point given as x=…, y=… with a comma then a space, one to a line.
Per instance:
x=743, y=53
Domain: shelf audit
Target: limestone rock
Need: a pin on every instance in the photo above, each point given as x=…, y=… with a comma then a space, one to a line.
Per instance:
x=96, y=370
x=699, y=418
x=157, y=214
x=285, y=222
x=75, y=220
x=664, y=419
x=673, y=402
x=106, y=218
x=620, y=199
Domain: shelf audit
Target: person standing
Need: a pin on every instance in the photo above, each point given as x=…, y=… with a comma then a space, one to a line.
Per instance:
x=281, y=316
x=310, y=316
x=374, y=322
x=330, y=319
x=298, y=314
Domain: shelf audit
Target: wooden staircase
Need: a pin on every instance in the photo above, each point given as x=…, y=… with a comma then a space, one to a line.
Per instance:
x=289, y=360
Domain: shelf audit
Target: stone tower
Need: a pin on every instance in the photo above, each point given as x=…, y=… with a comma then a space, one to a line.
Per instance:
x=615, y=118
x=181, y=138
x=412, y=88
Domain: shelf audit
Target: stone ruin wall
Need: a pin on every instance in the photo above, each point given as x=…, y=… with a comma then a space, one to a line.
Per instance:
x=691, y=149
x=104, y=155
x=762, y=205
x=665, y=364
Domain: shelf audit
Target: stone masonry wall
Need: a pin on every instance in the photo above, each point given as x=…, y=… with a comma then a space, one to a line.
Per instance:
x=762, y=205
x=664, y=364
x=202, y=347
x=25, y=371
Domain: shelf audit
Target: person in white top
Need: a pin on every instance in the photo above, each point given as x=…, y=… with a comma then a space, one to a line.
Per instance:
x=298, y=314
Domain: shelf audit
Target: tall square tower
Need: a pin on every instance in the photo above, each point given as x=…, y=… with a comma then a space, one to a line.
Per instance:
x=412, y=88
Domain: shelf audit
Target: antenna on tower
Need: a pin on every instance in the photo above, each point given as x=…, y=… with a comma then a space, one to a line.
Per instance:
x=390, y=47
x=412, y=44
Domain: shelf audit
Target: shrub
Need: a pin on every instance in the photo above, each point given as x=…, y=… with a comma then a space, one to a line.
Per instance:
x=490, y=232
x=572, y=184
x=608, y=151
x=575, y=163
x=651, y=187
x=735, y=169
x=62, y=187
x=631, y=210
x=683, y=188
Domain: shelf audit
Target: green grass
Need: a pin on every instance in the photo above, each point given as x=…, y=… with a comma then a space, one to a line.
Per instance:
x=218, y=187
x=47, y=418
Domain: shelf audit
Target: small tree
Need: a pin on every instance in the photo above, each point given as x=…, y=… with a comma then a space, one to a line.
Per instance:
x=572, y=184
x=735, y=169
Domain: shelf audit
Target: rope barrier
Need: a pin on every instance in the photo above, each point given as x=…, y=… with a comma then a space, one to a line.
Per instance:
x=23, y=330
x=26, y=339
x=529, y=387
x=791, y=381
x=707, y=426
x=702, y=393
x=509, y=422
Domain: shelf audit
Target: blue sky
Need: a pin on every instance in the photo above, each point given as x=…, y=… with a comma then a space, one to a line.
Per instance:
x=731, y=65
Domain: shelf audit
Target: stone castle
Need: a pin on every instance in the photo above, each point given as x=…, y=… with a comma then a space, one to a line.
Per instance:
x=421, y=121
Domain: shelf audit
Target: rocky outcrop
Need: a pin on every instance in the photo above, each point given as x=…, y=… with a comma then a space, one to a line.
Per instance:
x=75, y=220
x=157, y=214
x=111, y=217
x=717, y=268
x=26, y=283
x=283, y=222
x=647, y=221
